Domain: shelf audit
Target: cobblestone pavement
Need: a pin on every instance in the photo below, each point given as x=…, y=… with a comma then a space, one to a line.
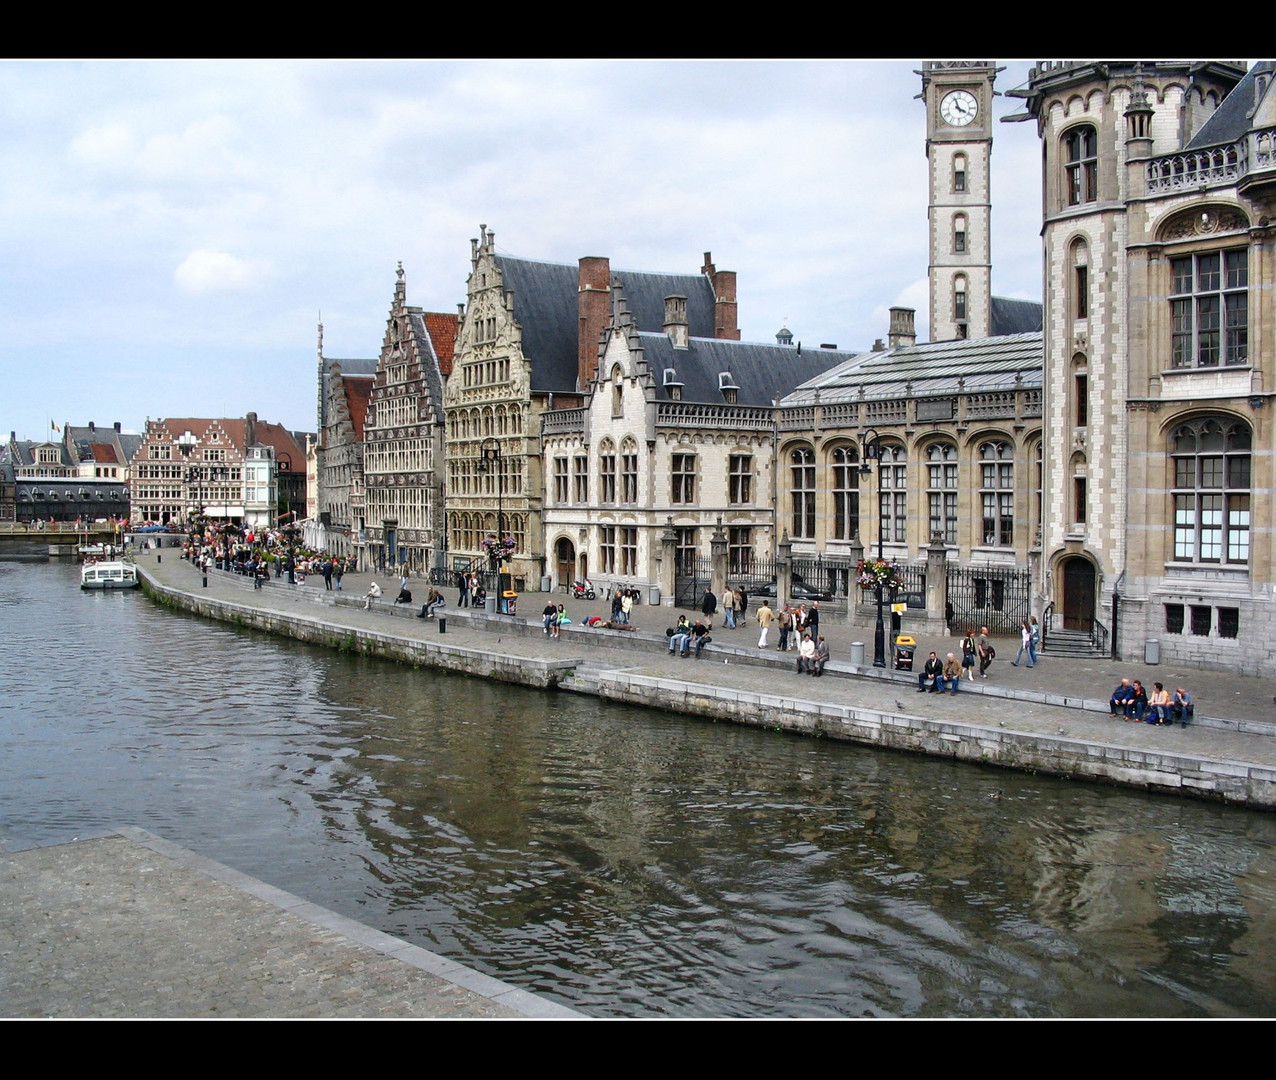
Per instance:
x=1236, y=717
x=129, y=925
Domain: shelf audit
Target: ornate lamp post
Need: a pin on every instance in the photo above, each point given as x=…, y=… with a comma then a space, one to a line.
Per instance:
x=872, y=444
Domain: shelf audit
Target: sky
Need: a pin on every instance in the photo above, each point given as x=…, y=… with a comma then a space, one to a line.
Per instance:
x=172, y=232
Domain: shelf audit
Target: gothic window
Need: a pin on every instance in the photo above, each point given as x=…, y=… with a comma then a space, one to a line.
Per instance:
x=617, y=392
x=959, y=234
x=607, y=472
x=629, y=472
x=1209, y=306
x=959, y=173
x=607, y=548
x=739, y=549
x=959, y=297
x=1081, y=155
x=580, y=480
x=802, y=493
x=683, y=469
x=893, y=463
x=997, y=492
x=740, y=479
x=941, y=469
x=846, y=493
x=560, y=480
x=1211, y=459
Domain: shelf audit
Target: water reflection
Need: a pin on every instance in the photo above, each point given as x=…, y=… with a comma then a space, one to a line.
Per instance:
x=623, y=860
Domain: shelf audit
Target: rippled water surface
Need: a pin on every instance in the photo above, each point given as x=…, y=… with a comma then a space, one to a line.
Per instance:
x=623, y=861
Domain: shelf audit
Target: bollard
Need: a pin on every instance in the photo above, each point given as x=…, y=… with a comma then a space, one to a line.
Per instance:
x=205, y=581
x=857, y=653
x=442, y=624
x=158, y=557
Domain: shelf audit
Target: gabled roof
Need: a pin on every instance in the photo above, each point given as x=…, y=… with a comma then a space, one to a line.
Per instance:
x=348, y=367
x=943, y=367
x=545, y=309
x=103, y=453
x=430, y=366
x=1234, y=115
x=443, y=329
x=762, y=373
x=358, y=388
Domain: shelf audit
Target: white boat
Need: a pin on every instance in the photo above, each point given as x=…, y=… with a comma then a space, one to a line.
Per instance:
x=108, y=575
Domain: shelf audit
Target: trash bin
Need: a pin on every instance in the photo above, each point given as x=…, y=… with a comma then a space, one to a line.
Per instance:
x=442, y=624
x=489, y=604
x=547, y=583
x=905, y=646
x=654, y=597
x=1152, y=651
x=857, y=653
x=509, y=602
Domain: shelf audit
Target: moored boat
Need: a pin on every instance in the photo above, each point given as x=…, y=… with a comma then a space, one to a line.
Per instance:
x=108, y=575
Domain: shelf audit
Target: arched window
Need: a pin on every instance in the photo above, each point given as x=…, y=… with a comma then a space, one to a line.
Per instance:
x=1080, y=489
x=846, y=493
x=959, y=234
x=629, y=471
x=894, y=508
x=997, y=491
x=1211, y=459
x=617, y=392
x=941, y=469
x=607, y=472
x=1080, y=280
x=1081, y=165
x=1080, y=391
x=802, y=492
x=959, y=173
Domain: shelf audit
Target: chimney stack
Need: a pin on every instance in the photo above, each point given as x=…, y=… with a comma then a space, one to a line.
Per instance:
x=902, y=331
x=676, y=320
x=725, y=316
x=593, y=313
x=250, y=430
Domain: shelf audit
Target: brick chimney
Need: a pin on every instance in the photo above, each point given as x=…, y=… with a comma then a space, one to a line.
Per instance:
x=250, y=430
x=593, y=312
x=725, y=321
x=902, y=331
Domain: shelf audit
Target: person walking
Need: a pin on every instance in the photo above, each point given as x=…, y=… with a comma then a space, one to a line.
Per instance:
x=728, y=609
x=326, y=570
x=1025, y=645
x=709, y=603
x=968, y=654
x=987, y=654
x=764, y=617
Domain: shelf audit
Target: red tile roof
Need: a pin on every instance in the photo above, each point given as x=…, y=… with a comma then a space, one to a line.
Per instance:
x=357, y=393
x=443, y=330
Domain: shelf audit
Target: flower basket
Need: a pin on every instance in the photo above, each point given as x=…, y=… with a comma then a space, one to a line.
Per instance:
x=877, y=573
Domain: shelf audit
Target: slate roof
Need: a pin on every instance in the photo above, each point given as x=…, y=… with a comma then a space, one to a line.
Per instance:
x=545, y=308
x=1232, y=119
x=763, y=373
x=942, y=367
x=1015, y=316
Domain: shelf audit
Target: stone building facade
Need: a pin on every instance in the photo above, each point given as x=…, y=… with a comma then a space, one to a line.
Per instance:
x=1160, y=360
x=671, y=453
x=403, y=439
x=527, y=346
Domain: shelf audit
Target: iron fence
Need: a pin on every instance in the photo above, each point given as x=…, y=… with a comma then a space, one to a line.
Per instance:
x=998, y=597
x=692, y=575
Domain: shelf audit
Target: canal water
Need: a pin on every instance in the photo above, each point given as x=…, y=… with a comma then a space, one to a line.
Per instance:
x=619, y=860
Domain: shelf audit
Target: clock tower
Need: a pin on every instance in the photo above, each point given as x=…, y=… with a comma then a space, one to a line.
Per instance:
x=958, y=96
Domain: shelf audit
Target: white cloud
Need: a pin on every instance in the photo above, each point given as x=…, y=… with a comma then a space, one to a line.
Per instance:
x=216, y=271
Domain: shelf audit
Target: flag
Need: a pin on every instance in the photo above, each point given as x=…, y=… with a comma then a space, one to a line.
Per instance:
x=57, y=430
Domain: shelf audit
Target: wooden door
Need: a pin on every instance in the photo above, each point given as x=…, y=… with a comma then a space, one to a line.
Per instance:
x=1078, y=595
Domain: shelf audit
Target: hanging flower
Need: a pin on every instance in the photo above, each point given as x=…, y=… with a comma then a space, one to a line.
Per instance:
x=870, y=573
x=498, y=549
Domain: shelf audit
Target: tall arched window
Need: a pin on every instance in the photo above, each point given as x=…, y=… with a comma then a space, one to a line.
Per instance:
x=629, y=471
x=802, y=492
x=959, y=173
x=997, y=491
x=1081, y=165
x=846, y=493
x=941, y=468
x=607, y=472
x=1211, y=458
x=894, y=479
x=960, y=226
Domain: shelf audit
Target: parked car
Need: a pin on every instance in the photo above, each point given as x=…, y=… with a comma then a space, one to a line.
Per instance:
x=799, y=591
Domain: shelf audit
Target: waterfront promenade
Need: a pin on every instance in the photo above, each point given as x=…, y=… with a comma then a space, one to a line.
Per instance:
x=1052, y=718
x=130, y=925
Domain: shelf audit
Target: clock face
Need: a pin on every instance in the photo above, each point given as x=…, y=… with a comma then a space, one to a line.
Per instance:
x=959, y=108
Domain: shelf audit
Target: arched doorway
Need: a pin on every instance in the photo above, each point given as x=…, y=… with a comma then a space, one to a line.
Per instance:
x=565, y=556
x=1078, y=594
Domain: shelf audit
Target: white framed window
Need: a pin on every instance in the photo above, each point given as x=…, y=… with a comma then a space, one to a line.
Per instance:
x=1211, y=462
x=1209, y=309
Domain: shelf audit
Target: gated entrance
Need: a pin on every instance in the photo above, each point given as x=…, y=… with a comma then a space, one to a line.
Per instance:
x=692, y=574
x=997, y=597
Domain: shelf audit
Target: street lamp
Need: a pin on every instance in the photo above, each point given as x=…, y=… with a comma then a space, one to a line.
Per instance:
x=872, y=444
x=490, y=461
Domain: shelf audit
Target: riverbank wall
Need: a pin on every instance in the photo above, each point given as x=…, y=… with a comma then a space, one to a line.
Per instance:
x=1072, y=743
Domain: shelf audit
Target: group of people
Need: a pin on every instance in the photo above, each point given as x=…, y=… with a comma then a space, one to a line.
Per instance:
x=685, y=637
x=554, y=616
x=622, y=605
x=1131, y=701
x=793, y=623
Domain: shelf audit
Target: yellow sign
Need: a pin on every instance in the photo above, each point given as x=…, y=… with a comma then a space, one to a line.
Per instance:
x=899, y=609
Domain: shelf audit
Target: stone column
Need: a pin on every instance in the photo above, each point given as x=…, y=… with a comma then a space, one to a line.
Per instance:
x=718, y=550
x=937, y=582
x=783, y=570
x=665, y=563
x=853, y=590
